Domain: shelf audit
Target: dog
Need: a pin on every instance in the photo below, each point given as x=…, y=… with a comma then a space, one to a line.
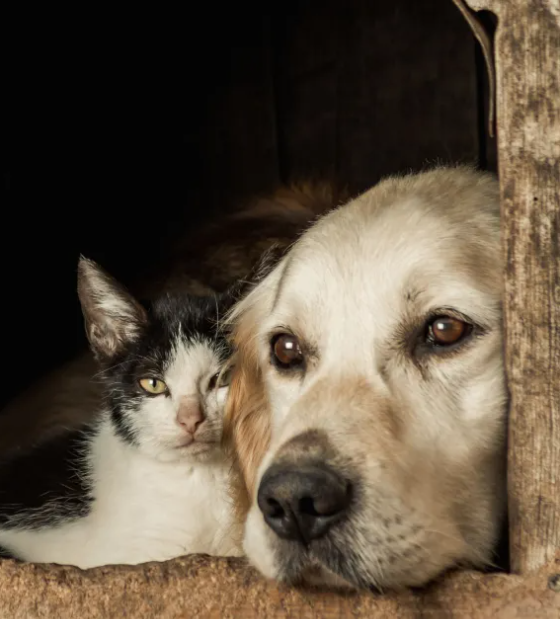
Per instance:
x=368, y=404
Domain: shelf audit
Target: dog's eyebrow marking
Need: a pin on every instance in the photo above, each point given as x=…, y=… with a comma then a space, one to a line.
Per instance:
x=412, y=294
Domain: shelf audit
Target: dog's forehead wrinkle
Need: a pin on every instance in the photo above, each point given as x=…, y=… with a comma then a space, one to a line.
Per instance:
x=282, y=278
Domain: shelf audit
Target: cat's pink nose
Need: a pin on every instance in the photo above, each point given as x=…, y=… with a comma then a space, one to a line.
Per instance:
x=190, y=415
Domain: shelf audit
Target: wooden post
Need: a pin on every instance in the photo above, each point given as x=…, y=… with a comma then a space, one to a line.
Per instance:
x=527, y=58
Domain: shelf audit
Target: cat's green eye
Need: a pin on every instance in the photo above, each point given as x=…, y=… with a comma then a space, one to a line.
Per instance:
x=154, y=386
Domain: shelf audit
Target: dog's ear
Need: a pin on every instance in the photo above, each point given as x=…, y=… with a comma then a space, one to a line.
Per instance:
x=246, y=434
x=112, y=316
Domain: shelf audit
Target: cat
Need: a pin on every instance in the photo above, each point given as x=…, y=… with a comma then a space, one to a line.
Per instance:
x=203, y=260
x=146, y=480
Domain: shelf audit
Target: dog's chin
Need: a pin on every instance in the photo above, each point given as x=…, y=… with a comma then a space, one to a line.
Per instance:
x=319, y=576
x=316, y=568
x=303, y=568
x=333, y=561
x=287, y=561
x=324, y=566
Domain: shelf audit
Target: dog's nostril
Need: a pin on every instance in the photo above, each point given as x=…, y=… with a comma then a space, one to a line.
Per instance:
x=275, y=510
x=324, y=504
x=307, y=507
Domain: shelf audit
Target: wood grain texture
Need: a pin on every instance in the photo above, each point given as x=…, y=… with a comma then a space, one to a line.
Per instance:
x=528, y=112
x=204, y=587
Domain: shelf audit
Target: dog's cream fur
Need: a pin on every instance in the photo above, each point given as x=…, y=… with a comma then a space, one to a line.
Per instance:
x=419, y=434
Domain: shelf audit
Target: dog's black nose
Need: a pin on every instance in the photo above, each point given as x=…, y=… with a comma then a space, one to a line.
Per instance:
x=302, y=503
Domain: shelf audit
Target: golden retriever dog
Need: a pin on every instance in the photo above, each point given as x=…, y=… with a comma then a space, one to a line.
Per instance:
x=367, y=411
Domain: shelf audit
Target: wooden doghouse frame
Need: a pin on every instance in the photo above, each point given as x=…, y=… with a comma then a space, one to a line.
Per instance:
x=526, y=60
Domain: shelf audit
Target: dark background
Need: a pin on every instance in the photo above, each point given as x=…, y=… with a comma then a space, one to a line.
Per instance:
x=121, y=130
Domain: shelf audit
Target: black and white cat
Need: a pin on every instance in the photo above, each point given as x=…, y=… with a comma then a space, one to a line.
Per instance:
x=147, y=480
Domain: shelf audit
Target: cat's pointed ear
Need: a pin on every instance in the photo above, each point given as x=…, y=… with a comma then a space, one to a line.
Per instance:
x=112, y=316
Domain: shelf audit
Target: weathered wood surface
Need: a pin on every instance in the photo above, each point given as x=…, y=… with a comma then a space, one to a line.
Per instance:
x=204, y=587
x=527, y=56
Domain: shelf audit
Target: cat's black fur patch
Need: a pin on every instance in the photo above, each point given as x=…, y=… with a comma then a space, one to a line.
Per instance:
x=192, y=319
x=47, y=485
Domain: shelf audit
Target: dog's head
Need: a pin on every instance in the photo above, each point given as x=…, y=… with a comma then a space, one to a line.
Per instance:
x=367, y=412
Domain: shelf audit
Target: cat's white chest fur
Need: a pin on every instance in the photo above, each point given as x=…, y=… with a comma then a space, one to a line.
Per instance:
x=143, y=510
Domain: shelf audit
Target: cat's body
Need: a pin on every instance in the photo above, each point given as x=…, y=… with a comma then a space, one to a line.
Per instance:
x=147, y=479
x=116, y=506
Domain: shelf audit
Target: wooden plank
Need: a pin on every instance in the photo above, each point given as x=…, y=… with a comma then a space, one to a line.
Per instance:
x=527, y=54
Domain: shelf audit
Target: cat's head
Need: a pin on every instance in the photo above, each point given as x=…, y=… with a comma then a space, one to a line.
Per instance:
x=163, y=365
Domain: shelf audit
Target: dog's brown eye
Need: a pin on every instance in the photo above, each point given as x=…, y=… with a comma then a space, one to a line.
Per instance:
x=286, y=351
x=446, y=330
